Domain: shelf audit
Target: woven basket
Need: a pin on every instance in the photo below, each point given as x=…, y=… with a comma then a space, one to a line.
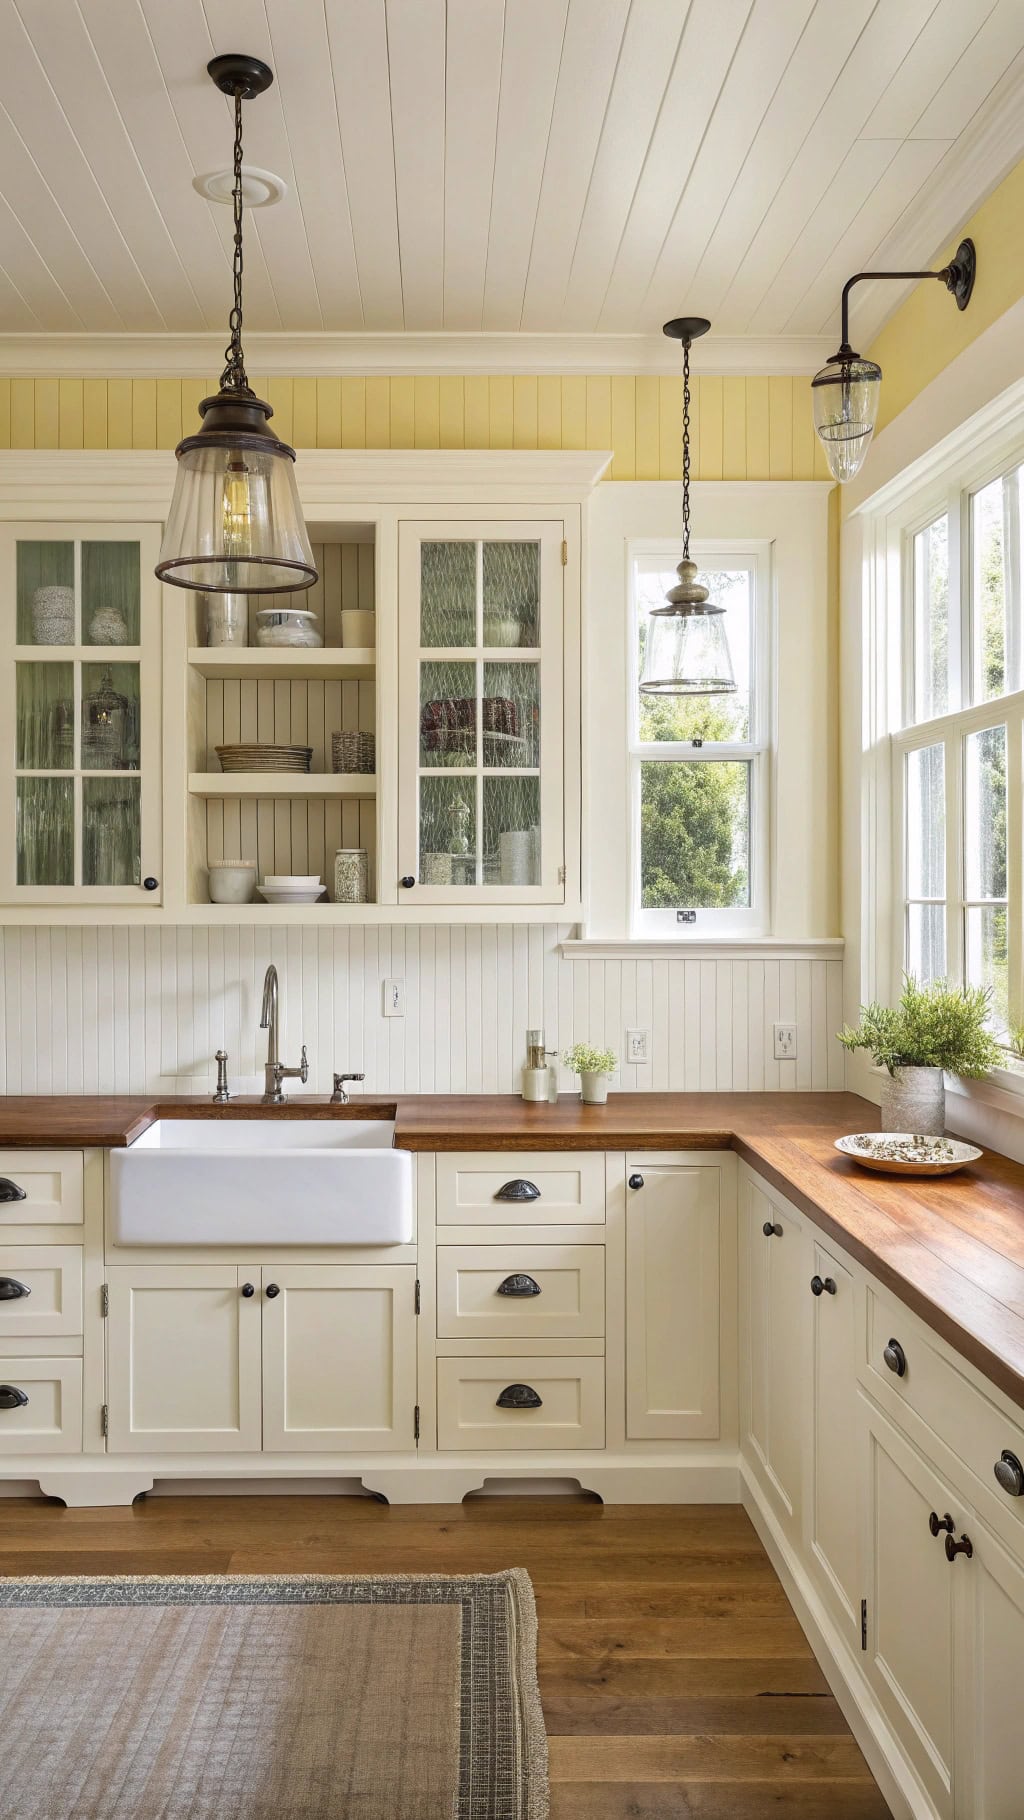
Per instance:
x=353, y=752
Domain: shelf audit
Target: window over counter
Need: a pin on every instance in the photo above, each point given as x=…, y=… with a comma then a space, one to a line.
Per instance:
x=699, y=763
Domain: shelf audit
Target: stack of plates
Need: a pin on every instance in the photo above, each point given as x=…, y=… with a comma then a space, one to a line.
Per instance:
x=291, y=888
x=263, y=757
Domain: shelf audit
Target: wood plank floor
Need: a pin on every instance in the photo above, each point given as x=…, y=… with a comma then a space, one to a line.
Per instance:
x=675, y=1678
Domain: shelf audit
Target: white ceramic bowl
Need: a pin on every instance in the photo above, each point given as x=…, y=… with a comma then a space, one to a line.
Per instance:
x=286, y=880
x=302, y=894
x=231, y=882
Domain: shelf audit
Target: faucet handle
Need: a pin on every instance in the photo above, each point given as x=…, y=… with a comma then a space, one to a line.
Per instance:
x=339, y=1097
x=304, y=1066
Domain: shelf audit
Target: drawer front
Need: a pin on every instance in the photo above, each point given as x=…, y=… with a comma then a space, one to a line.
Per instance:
x=570, y=1412
x=41, y=1188
x=522, y=1291
x=960, y=1415
x=494, y=1188
x=40, y=1290
x=49, y=1419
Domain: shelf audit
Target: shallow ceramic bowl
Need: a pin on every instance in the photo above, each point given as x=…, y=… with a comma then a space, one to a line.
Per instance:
x=287, y=881
x=299, y=894
x=948, y=1154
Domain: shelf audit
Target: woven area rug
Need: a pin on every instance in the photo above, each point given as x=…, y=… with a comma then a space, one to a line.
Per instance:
x=239, y=1697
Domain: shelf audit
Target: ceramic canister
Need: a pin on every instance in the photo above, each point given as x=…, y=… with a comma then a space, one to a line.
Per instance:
x=53, y=616
x=350, y=875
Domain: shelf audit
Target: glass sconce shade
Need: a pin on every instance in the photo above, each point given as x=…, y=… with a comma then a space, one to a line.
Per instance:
x=686, y=651
x=845, y=397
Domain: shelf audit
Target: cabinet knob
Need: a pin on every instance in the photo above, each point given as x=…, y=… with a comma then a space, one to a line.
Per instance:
x=11, y=1191
x=11, y=1290
x=636, y=1181
x=519, y=1396
x=936, y=1523
x=517, y=1190
x=519, y=1284
x=273, y=1289
x=823, y=1285
x=150, y=884
x=896, y=1358
x=11, y=1397
x=962, y=1547
x=1009, y=1474
x=248, y=1290
x=407, y=882
x=772, y=1229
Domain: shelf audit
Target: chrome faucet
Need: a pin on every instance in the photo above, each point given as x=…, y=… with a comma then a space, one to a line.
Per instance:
x=275, y=1071
x=340, y=1097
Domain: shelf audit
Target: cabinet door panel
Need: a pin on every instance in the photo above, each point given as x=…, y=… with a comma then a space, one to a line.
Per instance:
x=184, y=1359
x=993, y=1779
x=834, y=1513
x=339, y=1357
x=672, y=1295
x=777, y=1273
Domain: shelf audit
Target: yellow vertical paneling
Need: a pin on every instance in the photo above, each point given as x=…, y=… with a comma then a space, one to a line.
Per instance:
x=710, y=420
x=353, y=413
x=378, y=413
x=280, y=392
x=623, y=427
x=803, y=431
x=757, y=429
x=304, y=413
x=427, y=412
x=71, y=409
x=94, y=414
x=193, y=391
x=549, y=411
x=499, y=394
x=670, y=428
x=524, y=412
x=143, y=413
x=648, y=466
x=47, y=414
x=5, y=413
x=599, y=412
x=574, y=413
x=23, y=414
x=328, y=413
x=734, y=428
x=780, y=428
x=477, y=409
x=451, y=412
x=168, y=413
x=403, y=413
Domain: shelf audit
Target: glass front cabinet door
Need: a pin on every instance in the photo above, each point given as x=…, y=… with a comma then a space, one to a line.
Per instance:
x=81, y=728
x=482, y=725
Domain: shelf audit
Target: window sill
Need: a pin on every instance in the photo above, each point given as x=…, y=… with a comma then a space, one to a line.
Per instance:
x=704, y=947
x=1002, y=1089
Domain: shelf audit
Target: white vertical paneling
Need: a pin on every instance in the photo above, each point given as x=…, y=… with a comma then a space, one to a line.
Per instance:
x=143, y=1010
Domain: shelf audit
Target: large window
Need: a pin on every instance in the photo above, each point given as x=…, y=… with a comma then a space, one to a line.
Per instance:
x=697, y=762
x=958, y=751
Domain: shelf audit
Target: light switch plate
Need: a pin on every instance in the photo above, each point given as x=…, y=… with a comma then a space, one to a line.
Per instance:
x=785, y=1042
x=394, y=998
x=638, y=1046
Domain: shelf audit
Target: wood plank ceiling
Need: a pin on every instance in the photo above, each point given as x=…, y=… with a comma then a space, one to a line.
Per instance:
x=495, y=165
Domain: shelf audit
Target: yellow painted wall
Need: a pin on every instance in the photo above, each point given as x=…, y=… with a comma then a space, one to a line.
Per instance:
x=928, y=331
x=741, y=428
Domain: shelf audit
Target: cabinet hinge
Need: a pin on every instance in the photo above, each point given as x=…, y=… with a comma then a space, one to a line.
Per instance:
x=863, y=1624
x=416, y=1424
x=561, y=875
x=105, y=1300
x=105, y=1420
x=416, y=1303
x=565, y=553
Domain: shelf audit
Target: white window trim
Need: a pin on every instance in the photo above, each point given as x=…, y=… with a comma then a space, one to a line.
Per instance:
x=752, y=919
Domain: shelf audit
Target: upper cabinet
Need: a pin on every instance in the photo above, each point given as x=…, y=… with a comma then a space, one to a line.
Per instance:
x=80, y=685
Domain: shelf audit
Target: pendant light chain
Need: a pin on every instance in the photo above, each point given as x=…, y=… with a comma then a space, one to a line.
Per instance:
x=234, y=377
x=686, y=451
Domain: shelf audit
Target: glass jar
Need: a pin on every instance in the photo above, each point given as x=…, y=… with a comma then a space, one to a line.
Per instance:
x=293, y=626
x=350, y=875
x=227, y=619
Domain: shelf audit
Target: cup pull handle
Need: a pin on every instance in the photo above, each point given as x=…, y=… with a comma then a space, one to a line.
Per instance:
x=519, y=1284
x=518, y=1190
x=519, y=1396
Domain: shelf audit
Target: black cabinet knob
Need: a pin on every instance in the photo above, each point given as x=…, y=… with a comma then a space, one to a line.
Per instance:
x=895, y=1358
x=517, y=1190
x=962, y=1547
x=772, y=1229
x=248, y=1290
x=11, y=1290
x=636, y=1181
x=273, y=1289
x=11, y=1191
x=936, y=1523
x=150, y=884
x=519, y=1284
x=1009, y=1474
x=407, y=882
x=11, y=1397
x=823, y=1285
x=519, y=1396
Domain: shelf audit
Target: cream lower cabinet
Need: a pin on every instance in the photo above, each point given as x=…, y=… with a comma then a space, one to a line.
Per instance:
x=775, y=1305
x=224, y=1358
x=832, y=1517
x=673, y=1237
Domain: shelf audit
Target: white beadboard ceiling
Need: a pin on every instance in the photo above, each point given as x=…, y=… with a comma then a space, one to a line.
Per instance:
x=466, y=168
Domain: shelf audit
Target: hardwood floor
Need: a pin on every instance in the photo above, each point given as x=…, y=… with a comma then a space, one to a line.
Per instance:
x=676, y=1681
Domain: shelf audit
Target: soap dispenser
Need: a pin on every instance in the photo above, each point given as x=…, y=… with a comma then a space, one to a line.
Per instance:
x=535, y=1070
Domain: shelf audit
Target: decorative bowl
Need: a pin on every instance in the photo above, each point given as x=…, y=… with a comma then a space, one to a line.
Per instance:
x=907, y=1152
x=231, y=881
x=290, y=894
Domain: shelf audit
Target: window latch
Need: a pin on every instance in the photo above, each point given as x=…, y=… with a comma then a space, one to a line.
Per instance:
x=686, y=916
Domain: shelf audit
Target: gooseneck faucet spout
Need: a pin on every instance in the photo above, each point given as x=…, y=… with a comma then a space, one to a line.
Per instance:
x=274, y=1071
x=268, y=1015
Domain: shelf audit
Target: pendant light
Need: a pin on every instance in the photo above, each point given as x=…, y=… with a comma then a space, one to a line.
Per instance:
x=845, y=393
x=686, y=650
x=235, y=523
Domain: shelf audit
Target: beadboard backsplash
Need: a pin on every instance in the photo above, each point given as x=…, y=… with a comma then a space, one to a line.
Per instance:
x=135, y=1010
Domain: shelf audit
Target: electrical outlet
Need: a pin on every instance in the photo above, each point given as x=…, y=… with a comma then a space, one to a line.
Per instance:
x=394, y=998
x=637, y=1046
x=785, y=1042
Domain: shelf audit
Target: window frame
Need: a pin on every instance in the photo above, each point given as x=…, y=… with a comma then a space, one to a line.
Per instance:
x=754, y=555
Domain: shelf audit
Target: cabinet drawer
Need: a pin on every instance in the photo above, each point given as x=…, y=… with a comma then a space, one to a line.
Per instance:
x=570, y=1412
x=524, y=1291
x=40, y=1290
x=492, y=1188
x=50, y=1419
x=51, y=1185
x=957, y=1413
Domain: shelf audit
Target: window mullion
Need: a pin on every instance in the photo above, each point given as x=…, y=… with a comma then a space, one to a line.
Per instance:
x=961, y=691
x=955, y=881
x=1014, y=866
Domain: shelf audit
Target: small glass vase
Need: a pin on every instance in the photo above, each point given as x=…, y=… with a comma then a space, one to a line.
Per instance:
x=914, y=1100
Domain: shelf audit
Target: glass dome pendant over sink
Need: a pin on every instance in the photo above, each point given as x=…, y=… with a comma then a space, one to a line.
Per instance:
x=686, y=651
x=235, y=523
x=845, y=393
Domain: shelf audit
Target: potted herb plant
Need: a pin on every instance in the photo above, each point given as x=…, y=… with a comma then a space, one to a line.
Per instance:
x=593, y=1067
x=934, y=1030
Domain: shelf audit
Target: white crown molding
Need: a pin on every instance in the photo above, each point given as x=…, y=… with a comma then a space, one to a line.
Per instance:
x=688, y=947
x=316, y=355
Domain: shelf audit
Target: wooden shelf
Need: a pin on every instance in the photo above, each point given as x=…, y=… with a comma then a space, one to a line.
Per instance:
x=282, y=663
x=281, y=783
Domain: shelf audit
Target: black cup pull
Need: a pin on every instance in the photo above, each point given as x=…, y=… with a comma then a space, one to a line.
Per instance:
x=248, y=1290
x=10, y=1191
x=772, y=1229
x=896, y=1358
x=962, y=1547
x=11, y=1290
x=519, y=1396
x=11, y=1397
x=518, y=1190
x=936, y=1523
x=273, y=1289
x=1009, y=1474
x=636, y=1181
x=519, y=1284
x=823, y=1286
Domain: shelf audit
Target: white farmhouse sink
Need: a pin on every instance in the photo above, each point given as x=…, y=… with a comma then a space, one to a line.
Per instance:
x=273, y=1181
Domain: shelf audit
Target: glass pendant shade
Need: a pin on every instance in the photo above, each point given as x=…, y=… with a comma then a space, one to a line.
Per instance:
x=686, y=650
x=845, y=397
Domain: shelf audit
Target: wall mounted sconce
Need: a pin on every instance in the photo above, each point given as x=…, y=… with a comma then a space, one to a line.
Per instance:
x=845, y=393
